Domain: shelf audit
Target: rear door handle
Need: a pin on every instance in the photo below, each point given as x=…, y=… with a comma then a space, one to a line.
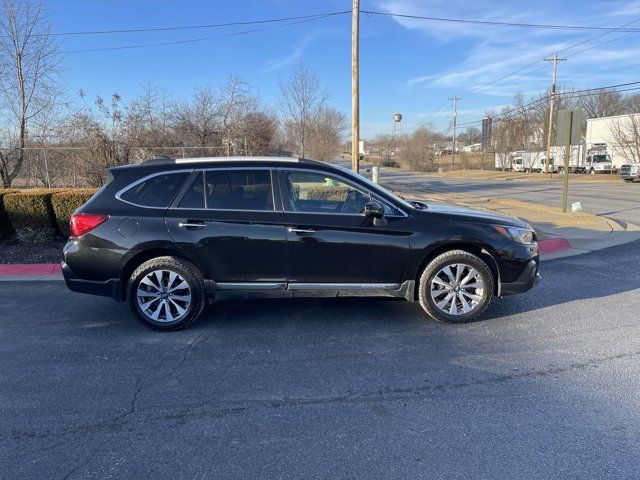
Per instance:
x=300, y=230
x=192, y=224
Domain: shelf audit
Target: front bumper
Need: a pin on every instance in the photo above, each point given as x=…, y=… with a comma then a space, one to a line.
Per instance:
x=109, y=288
x=630, y=176
x=525, y=282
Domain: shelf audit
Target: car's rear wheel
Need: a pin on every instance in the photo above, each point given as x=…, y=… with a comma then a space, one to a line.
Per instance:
x=456, y=287
x=166, y=293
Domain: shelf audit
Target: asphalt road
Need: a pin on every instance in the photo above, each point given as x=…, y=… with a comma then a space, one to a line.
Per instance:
x=620, y=201
x=546, y=386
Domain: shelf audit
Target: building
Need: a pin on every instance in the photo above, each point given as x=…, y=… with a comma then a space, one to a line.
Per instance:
x=474, y=147
x=445, y=148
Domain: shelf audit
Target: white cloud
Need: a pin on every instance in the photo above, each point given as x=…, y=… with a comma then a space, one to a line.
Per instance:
x=298, y=49
x=492, y=53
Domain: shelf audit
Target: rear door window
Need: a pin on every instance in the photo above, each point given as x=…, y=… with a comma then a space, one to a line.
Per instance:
x=194, y=196
x=157, y=191
x=239, y=190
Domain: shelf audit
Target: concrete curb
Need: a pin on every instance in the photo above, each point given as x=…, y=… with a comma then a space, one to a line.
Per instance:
x=28, y=272
x=31, y=278
x=30, y=269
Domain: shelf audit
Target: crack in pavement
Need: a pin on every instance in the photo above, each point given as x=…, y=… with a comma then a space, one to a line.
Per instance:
x=121, y=422
x=121, y=419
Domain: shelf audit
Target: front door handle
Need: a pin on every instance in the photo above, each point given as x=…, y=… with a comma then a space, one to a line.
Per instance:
x=300, y=230
x=191, y=224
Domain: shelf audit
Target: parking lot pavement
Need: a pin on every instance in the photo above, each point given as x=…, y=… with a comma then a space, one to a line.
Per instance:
x=546, y=386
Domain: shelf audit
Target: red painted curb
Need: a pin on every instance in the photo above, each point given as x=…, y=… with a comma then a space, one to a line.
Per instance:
x=551, y=245
x=30, y=269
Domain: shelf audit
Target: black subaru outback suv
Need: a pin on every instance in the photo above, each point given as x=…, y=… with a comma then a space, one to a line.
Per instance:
x=169, y=235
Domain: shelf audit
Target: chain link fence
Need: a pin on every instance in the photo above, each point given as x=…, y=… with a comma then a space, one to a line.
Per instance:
x=80, y=167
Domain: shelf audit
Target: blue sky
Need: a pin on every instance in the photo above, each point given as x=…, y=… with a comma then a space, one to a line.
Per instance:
x=407, y=66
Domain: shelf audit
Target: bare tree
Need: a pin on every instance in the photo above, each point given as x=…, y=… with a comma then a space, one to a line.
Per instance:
x=301, y=100
x=234, y=104
x=259, y=131
x=470, y=136
x=418, y=150
x=147, y=120
x=29, y=65
x=195, y=122
x=326, y=133
x=631, y=103
x=102, y=137
x=626, y=133
x=601, y=103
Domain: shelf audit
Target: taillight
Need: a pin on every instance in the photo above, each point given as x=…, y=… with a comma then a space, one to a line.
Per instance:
x=82, y=223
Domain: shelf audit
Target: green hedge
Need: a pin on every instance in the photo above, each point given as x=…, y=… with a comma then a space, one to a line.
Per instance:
x=331, y=193
x=65, y=203
x=6, y=230
x=31, y=214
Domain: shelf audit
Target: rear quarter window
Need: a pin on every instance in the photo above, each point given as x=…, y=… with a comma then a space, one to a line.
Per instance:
x=157, y=191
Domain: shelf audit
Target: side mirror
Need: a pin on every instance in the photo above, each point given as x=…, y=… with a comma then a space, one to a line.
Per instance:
x=373, y=210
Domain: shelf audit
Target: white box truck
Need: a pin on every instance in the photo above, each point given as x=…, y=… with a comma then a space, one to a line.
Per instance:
x=611, y=136
x=590, y=159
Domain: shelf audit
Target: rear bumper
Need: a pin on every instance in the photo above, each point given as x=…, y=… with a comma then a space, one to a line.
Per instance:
x=526, y=281
x=109, y=288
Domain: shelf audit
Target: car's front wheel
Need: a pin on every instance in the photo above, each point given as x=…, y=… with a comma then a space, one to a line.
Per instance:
x=456, y=287
x=166, y=293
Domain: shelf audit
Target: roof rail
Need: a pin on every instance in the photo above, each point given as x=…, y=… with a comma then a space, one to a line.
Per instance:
x=159, y=160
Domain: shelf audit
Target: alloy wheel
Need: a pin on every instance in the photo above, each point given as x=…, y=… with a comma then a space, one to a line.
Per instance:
x=457, y=289
x=163, y=296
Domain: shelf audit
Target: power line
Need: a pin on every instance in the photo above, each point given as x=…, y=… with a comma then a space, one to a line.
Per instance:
x=202, y=39
x=496, y=24
x=503, y=78
x=302, y=17
x=185, y=27
x=507, y=115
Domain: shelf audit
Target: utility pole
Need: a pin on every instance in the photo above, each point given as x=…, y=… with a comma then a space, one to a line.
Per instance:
x=455, y=119
x=555, y=61
x=355, y=87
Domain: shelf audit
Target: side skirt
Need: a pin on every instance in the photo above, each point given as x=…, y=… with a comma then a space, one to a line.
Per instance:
x=230, y=290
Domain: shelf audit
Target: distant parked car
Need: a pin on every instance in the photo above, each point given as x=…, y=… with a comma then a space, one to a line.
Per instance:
x=630, y=172
x=168, y=235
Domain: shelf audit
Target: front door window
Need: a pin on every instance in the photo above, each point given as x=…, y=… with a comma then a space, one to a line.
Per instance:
x=318, y=192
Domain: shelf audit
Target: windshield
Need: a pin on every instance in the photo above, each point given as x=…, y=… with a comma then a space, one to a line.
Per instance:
x=601, y=158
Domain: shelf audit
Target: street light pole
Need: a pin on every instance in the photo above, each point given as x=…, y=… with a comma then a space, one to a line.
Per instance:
x=355, y=87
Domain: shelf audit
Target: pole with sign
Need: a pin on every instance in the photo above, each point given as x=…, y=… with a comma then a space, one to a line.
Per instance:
x=569, y=133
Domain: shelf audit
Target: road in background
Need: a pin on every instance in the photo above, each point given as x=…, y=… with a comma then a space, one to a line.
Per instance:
x=619, y=201
x=546, y=386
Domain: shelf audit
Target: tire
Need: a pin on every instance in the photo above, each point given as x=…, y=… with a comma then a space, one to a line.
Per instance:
x=435, y=268
x=592, y=172
x=175, y=298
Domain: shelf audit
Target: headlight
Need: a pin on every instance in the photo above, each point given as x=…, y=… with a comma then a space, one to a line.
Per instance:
x=518, y=235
